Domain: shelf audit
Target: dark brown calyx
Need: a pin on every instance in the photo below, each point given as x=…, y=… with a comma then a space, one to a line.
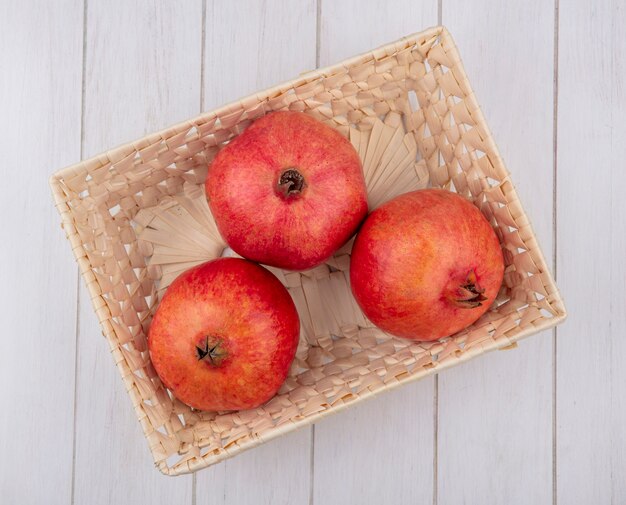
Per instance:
x=211, y=350
x=291, y=182
x=469, y=294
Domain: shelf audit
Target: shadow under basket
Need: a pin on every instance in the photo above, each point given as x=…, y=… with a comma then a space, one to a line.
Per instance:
x=136, y=217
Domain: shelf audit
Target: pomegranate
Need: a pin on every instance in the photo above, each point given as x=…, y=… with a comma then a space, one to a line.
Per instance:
x=224, y=335
x=426, y=265
x=287, y=192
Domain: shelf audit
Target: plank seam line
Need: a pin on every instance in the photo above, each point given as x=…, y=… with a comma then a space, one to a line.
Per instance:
x=78, y=276
x=554, y=242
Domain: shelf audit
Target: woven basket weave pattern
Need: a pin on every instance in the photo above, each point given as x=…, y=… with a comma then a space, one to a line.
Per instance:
x=114, y=205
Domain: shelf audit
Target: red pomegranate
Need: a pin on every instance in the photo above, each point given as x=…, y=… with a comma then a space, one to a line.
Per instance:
x=287, y=192
x=426, y=265
x=224, y=335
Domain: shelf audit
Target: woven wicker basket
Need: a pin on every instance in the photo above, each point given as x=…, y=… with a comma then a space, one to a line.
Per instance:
x=136, y=217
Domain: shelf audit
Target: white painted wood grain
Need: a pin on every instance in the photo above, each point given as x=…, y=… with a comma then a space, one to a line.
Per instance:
x=249, y=46
x=352, y=27
x=275, y=473
x=378, y=452
x=40, y=58
x=591, y=248
x=252, y=45
x=381, y=451
x=495, y=413
x=142, y=74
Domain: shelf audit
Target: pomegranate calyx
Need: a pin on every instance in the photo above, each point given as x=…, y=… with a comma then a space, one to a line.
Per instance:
x=211, y=351
x=469, y=295
x=291, y=182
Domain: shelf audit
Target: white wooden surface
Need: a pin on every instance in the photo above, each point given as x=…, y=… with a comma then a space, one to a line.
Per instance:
x=591, y=250
x=541, y=424
x=39, y=128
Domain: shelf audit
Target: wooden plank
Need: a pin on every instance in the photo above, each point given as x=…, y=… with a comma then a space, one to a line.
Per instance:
x=591, y=247
x=352, y=27
x=378, y=452
x=277, y=472
x=39, y=132
x=142, y=74
x=250, y=46
x=253, y=45
x=381, y=451
x=495, y=413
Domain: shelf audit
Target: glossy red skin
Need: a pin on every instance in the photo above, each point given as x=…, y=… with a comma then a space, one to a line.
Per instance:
x=246, y=306
x=260, y=223
x=412, y=254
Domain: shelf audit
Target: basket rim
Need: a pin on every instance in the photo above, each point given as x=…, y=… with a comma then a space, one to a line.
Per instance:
x=104, y=316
